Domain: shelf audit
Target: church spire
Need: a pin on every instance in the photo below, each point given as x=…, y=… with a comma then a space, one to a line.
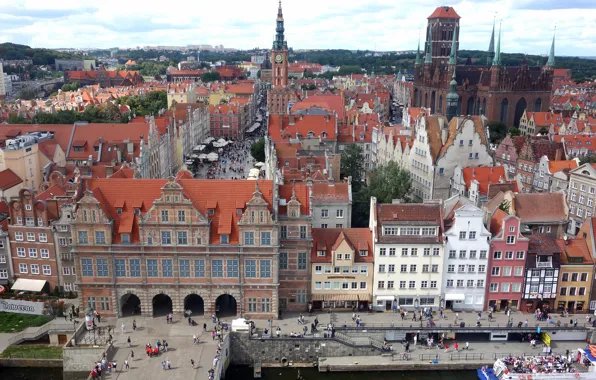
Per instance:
x=491, y=46
x=452, y=98
x=418, y=52
x=453, y=55
x=279, y=42
x=429, y=49
x=551, y=55
x=497, y=59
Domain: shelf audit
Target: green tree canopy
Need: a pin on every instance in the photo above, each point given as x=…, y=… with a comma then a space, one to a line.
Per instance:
x=497, y=130
x=352, y=164
x=257, y=150
x=71, y=86
x=210, y=76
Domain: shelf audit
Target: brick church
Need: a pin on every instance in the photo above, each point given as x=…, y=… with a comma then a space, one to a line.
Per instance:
x=499, y=92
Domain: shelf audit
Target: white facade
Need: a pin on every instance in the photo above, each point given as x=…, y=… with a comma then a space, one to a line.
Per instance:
x=2, y=80
x=466, y=260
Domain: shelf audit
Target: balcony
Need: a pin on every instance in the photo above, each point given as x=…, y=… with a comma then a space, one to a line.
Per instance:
x=544, y=262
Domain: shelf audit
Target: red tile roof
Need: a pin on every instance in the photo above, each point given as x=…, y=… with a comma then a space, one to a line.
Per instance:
x=222, y=195
x=62, y=132
x=280, y=128
x=52, y=192
x=9, y=179
x=540, y=207
x=557, y=166
x=444, y=12
x=575, y=248
x=328, y=239
x=337, y=193
x=113, y=135
x=302, y=196
x=496, y=221
x=485, y=176
x=409, y=212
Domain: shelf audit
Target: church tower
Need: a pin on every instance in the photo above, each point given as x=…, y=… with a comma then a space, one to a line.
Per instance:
x=441, y=31
x=491, y=47
x=279, y=53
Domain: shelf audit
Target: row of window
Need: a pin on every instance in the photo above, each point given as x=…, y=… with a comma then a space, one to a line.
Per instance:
x=165, y=268
x=469, y=283
x=411, y=284
x=19, y=236
x=471, y=235
x=579, y=212
x=519, y=255
x=573, y=291
x=355, y=269
x=463, y=254
x=583, y=187
x=507, y=287
x=283, y=260
x=411, y=251
x=506, y=271
x=337, y=225
x=283, y=231
x=404, y=268
x=256, y=305
x=354, y=285
x=29, y=221
x=574, y=276
x=470, y=268
x=44, y=253
x=34, y=269
x=338, y=213
x=410, y=231
x=103, y=303
x=581, y=199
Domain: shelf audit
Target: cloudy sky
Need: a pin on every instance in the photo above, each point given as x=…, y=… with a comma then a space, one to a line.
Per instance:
x=375, y=24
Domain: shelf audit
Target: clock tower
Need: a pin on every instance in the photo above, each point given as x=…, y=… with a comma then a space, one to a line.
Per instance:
x=280, y=96
x=279, y=53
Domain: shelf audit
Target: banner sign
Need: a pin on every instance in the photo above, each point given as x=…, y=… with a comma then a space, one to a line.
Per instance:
x=22, y=307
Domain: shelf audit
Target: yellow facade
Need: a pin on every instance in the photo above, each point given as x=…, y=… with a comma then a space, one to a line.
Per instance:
x=575, y=283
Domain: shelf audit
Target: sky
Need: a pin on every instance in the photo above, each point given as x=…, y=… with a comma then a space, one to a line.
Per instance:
x=383, y=25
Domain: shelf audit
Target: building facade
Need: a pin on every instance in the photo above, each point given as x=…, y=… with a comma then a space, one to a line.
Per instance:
x=575, y=277
x=467, y=243
x=408, y=261
x=581, y=196
x=541, y=278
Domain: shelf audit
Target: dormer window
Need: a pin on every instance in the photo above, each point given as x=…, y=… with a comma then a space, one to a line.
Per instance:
x=293, y=213
x=125, y=238
x=119, y=211
x=137, y=211
x=224, y=239
x=211, y=211
x=27, y=207
x=321, y=253
x=324, y=135
x=363, y=253
x=238, y=211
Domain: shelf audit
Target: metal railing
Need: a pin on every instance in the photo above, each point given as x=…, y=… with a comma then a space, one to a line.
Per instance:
x=451, y=326
x=466, y=356
x=401, y=356
x=501, y=355
x=428, y=356
x=43, y=330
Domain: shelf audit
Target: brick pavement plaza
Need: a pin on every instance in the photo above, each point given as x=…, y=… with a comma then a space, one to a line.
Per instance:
x=181, y=347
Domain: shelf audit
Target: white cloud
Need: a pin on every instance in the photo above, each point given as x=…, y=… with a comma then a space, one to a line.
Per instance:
x=377, y=24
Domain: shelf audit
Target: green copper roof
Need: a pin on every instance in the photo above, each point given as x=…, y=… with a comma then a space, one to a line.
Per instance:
x=452, y=88
x=551, y=55
x=497, y=59
x=418, y=53
x=429, y=49
x=453, y=55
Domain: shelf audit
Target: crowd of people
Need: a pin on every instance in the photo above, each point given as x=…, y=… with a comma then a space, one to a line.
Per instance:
x=542, y=364
x=219, y=329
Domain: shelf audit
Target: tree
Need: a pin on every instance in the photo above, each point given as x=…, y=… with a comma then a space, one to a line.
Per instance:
x=71, y=86
x=497, y=130
x=352, y=164
x=15, y=119
x=257, y=150
x=28, y=93
x=514, y=132
x=505, y=206
x=211, y=76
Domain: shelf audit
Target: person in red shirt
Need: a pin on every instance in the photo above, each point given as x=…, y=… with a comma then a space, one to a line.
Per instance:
x=456, y=347
x=446, y=347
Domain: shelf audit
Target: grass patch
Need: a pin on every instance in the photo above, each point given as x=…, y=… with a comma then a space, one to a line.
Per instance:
x=32, y=351
x=13, y=322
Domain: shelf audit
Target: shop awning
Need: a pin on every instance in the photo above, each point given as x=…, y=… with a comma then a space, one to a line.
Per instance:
x=455, y=297
x=385, y=298
x=341, y=297
x=26, y=285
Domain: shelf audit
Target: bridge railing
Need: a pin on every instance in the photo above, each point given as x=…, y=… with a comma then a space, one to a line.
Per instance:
x=43, y=330
x=428, y=356
x=443, y=325
x=502, y=355
x=466, y=356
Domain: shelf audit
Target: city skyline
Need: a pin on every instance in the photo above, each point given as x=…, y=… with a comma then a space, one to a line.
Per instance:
x=527, y=25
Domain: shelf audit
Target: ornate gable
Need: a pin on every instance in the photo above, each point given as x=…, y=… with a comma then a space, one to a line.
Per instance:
x=256, y=210
x=293, y=206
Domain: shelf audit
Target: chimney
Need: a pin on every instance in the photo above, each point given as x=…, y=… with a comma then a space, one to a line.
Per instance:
x=292, y=120
x=558, y=154
x=109, y=171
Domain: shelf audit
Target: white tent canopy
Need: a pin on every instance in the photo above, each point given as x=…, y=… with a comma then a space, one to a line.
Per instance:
x=208, y=140
x=27, y=285
x=202, y=156
x=259, y=164
x=254, y=127
x=199, y=147
x=240, y=324
x=253, y=173
x=212, y=156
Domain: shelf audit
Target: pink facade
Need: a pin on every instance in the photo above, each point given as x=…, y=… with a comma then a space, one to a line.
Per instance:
x=506, y=264
x=506, y=155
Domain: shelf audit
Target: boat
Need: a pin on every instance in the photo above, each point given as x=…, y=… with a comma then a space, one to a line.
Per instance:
x=501, y=371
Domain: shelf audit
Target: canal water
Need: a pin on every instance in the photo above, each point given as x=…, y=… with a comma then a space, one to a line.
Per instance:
x=246, y=373
x=30, y=373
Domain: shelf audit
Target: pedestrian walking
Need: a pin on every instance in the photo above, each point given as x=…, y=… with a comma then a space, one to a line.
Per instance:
x=132, y=356
x=165, y=345
x=126, y=364
x=204, y=327
x=123, y=328
x=456, y=345
x=467, y=346
x=134, y=325
x=169, y=364
x=192, y=363
x=128, y=341
x=415, y=339
x=163, y=365
x=446, y=348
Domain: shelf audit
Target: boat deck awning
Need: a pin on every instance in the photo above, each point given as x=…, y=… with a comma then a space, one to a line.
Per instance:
x=27, y=285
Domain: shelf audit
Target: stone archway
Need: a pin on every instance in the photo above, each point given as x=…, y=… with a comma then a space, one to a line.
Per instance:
x=225, y=306
x=162, y=305
x=195, y=304
x=520, y=107
x=131, y=305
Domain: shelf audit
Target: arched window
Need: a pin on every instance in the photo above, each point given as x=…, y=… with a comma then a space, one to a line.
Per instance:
x=503, y=112
x=538, y=105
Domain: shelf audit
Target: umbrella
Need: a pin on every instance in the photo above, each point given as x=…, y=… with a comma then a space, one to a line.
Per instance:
x=259, y=164
x=202, y=156
x=212, y=156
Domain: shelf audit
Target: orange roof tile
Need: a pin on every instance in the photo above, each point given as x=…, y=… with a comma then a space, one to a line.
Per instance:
x=485, y=176
x=9, y=179
x=444, y=12
x=575, y=248
x=327, y=239
x=557, y=166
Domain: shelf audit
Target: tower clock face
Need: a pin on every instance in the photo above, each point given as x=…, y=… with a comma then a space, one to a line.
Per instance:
x=279, y=58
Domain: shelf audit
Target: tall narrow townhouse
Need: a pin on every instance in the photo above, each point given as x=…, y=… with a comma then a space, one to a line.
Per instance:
x=467, y=242
x=408, y=264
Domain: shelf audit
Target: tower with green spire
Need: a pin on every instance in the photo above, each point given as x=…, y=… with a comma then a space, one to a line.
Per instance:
x=428, y=58
x=453, y=55
x=279, y=42
x=491, y=47
x=418, y=61
x=551, y=56
x=452, y=98
x=497, y=58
